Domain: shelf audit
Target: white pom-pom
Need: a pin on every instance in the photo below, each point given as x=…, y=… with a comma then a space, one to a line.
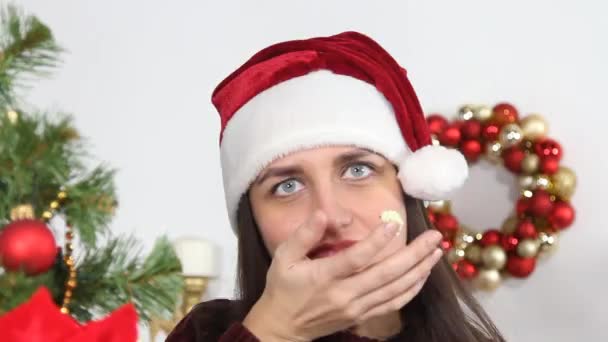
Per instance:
x=433, y=173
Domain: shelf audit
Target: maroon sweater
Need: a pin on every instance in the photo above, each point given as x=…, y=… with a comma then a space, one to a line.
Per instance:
x=217, y=321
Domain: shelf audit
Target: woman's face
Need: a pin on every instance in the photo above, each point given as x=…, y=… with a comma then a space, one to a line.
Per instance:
x=351, y=186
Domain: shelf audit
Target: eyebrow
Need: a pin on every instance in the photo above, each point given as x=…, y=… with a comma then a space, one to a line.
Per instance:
x=342, y=159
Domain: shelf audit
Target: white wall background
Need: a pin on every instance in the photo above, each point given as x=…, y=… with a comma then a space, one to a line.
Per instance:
x=139, y=74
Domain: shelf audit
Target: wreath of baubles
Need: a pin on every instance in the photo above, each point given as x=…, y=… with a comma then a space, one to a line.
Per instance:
x=541, y=212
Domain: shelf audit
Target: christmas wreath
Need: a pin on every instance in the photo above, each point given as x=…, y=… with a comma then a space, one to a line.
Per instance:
x=543, y=209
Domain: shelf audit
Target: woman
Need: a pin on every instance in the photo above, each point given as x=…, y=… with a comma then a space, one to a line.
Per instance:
x=320, y=137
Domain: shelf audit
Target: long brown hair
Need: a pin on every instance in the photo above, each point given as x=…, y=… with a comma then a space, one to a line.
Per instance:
x=437, y=313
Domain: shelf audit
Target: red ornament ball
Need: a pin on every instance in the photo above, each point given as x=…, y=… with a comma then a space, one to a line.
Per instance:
x=491, y=237
x=526, y=230
x=549, y=165
x=471, y=129
x=490, y=132
x=446, y=244
x=471, y=149
x=436, y=123
x=541, y=204
x=450, y=136
x=27, y=245
x=548, y=148
x=465, y=269
x=447, y=223
x=432, y=217
x=505, y=113
x=522, y=206
x=562, y=215
x=513, y=158
x=509, y=243
x=520, y=267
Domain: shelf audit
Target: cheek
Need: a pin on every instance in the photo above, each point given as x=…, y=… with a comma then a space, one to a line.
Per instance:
x=275, y=227
x=379, y=200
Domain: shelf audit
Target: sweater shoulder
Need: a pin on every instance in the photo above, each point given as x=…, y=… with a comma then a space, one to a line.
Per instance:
x=207, y=321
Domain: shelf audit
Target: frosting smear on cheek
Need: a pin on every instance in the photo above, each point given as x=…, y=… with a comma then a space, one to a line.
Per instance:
x=388, y=216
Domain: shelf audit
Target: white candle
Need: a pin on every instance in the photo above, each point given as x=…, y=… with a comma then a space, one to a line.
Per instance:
x=197, y=256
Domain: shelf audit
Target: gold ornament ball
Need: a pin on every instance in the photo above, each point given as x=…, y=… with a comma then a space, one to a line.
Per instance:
x=440, y=206
x=510, y=225
x=68, y=294
x=564, y=182
x=466, y=112
x=530, y=163
x=64, y=310
x=528, y=248
x=487, y=279
x=547, y=242
x=494, y=257
x=71, y=284
x=526, y=182
x=534, y=126
x=463, y=239
x=22, y=211
x=454, y=255
x=473, y=253
x=482, y=113
x=510, y=135
x=494, y=152
x=542, y=182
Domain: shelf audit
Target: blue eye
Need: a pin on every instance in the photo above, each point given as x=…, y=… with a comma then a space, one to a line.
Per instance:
x=287, y=187
x=357, y=171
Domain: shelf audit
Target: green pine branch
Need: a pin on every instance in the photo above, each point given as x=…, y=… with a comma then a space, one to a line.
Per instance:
x=17, y=287
x=117, y=273
x=27, y=50
x=91, y=203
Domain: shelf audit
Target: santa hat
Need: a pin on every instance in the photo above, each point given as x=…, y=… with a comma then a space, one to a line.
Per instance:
x=339, y=90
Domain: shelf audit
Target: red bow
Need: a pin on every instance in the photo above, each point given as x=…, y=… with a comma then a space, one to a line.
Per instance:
x=39, y=319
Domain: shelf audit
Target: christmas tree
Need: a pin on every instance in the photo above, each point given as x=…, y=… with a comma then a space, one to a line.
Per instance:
x=55, y=211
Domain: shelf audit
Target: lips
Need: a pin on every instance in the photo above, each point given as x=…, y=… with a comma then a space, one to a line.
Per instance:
x=329, y=249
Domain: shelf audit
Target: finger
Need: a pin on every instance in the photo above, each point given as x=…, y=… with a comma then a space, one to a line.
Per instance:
x=397, y=287
x=359, y=255
x=396, y=303
x=396, y=265
x=303, y=239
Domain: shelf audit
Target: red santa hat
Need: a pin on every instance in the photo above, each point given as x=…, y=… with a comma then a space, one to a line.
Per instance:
x=339, y=90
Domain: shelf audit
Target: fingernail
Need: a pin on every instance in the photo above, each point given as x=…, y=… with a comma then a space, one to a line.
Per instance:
x=390, y=229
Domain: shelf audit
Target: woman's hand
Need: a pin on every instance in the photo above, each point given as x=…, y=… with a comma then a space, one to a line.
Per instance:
x=305, y=299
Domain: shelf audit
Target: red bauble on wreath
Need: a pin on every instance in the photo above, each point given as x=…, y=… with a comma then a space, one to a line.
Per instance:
x=501, y=136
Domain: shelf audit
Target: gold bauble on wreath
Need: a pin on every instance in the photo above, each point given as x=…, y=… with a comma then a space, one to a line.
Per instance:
x=543, y=210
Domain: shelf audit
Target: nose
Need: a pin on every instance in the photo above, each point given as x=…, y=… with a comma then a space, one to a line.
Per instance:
x=328, y=200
